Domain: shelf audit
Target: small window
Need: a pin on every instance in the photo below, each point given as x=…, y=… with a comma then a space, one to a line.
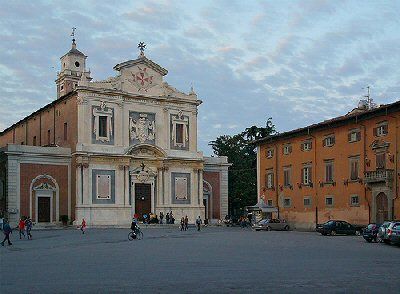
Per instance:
x=270, y=153
x=329, y=141
x=34, y=141
x=48, y=137
x=306, y=146
x=269, y=202
x=286, y=202
x=307, y=201
x=65, y=131
x=62, y=87
x=287, y=149
x=354, y=200
x=381, y=129
x=77, y=64
x=22, y=143
x=179, y=133
x=329, y=201
x=103, y=126
x=354, y=136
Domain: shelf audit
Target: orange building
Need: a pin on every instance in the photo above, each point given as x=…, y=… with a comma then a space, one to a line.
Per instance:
x=345, y=168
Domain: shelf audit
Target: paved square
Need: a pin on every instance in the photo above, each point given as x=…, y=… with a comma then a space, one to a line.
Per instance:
x=214, y=260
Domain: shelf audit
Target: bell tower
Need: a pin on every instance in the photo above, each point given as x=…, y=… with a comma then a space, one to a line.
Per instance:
x=73, y=65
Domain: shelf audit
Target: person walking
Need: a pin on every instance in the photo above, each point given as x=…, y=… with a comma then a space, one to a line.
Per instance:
x=83, y=226
x=198, y=223
x=167, y=218
x=171, y=217
x=186, y=223
x=21, y=228
x=28, y=226
x=161, y=217
x=7, y=231
x=182, y=223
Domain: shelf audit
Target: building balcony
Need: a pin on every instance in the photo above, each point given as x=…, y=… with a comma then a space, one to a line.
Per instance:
x=380, y=175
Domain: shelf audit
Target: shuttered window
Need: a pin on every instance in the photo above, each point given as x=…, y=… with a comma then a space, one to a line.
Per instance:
x=287, y=177
x=329, y=171
x=269, y=179
x=354, y=136
x=380, y=160
x=306, y=175
x=354, y=166
x=329, y=141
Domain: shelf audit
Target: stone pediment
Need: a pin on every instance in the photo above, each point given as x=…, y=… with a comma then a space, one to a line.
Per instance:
x=141, y=77
x=146, y=151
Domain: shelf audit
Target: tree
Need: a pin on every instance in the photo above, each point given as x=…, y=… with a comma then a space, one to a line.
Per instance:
x=241, y=152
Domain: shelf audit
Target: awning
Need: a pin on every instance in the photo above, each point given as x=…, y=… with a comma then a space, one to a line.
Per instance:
x=261, y=206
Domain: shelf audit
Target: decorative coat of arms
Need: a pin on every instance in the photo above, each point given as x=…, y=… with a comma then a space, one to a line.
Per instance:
x=141, y=79
x=142, y=129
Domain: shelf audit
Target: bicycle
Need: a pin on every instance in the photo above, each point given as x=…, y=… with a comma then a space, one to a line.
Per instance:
x=135, y=235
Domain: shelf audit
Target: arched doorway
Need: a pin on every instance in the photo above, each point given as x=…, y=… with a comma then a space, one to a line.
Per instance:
x=381, y=203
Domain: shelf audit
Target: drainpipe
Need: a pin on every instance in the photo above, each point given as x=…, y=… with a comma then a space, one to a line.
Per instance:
x=364, y=167
x=276, y=179
x=315, y=176
x=396, y=183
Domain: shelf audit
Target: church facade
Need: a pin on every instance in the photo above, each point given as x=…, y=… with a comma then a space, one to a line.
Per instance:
x=106, y=150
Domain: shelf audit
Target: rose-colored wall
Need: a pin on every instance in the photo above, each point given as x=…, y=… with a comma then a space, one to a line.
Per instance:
x=214, y=179
x=29, y=171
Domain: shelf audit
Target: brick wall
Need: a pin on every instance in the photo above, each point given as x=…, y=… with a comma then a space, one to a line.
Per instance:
x=29, y=171
x=214, y=179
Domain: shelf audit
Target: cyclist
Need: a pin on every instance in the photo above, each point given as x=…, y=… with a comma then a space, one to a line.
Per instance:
x=134, y=226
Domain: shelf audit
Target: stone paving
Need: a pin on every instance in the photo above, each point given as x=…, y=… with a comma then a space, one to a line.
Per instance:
x=215, y=260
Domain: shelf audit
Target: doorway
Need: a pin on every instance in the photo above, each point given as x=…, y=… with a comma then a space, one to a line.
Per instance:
x=381, y=203
x=142, y=199
x=44, y=209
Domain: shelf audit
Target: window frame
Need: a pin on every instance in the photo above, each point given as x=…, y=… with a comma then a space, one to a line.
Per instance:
x=287, y=149
x=284, y=202
x=270, y=153
x=287, y=180
x=270, y=203
x=269, y=179
x=309, y=200
x=351, y=200
x=326, y=201
x=329, y=163
x=103, y=118
x=354, y=159
x=307, y=143
x=329, y=141
x=307, y=175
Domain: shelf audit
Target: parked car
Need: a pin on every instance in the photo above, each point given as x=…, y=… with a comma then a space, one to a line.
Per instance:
x=370, y=232
x=389, y=232
x=338, y=227
x=271, y=224
x=394, y=235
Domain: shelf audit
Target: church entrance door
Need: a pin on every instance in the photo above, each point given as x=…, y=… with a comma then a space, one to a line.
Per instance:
x=142, y=199
x=44, y=209
x=381, y=208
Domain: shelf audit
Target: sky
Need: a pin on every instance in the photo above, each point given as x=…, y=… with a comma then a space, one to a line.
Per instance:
x=298, y=62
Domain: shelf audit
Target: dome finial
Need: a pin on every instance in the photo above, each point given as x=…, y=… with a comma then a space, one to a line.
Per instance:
x=141, y=47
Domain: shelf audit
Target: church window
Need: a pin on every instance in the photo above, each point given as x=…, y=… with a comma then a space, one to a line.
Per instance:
x=77, y=64
x=103, y=126
x=65, y=131
x=62, y=87
x=179, y=133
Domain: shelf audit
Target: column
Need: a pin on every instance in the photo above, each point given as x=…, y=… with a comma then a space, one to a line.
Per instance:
x=200, y=186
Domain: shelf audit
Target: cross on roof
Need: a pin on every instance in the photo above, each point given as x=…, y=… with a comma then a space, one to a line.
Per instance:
x=141, y=47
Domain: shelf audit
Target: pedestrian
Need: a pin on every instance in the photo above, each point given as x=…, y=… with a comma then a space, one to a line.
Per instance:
x=7, y=231
x=186, y=223
x=182, y=223
x=21, y=228
x=171, y=217
x=198, y=223
x=28, y=226
x=167, y=218
x=83, y=226
x=161, y=217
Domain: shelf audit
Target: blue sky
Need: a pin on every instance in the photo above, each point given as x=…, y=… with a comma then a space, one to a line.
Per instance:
x=298, y=62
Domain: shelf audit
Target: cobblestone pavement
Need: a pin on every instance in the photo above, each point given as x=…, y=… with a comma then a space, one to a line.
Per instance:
x=215, y=260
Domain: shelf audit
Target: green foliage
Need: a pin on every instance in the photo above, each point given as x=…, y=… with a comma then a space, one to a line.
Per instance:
x=241, y=152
